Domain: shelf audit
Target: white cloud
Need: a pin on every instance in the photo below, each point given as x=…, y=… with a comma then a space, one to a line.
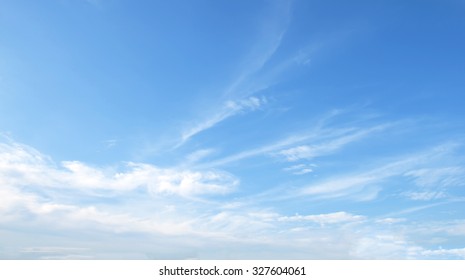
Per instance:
x=60, y=216
x=31, y=185
x=331, y=218
x=459, y=252
x=199, y=155
x=417, y=208
x=384, y=245
x=297, y=153
x=247, y=83
x=188, y=183
x=94, y=218
x=300, y=169
x=51, y=249
x=109, y=144
x=261, y=150
x=251, y=103
x=317, y=133
x=341, y=186
x=38, y=194
x=390, y=221
x=425, y=196
x=23, y=166
x=303, y=171
x=17, y=207
x=329, y=140
x=457, y=228
x=229, y=109
x=347, y=186
x=272, y=31
x=438, y=177
x=12, y=199
x=329, y=146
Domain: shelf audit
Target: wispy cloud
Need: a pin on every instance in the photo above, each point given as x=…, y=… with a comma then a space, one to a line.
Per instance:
x=327, y=140
x=262, y=150
x=109, y=144
x=425, y=196
x=300, y=169
x=199, y=155
x=414, y=209
x=328, y=146
x=316, y=133
x=331, y=218
x=229, y=109
x=238, y=93
x=438, y=177
x=272, y=30
x=390, y=221
x=460, y=253
x=346, y=186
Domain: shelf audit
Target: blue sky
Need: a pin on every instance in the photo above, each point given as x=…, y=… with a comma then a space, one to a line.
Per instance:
x=232, y=129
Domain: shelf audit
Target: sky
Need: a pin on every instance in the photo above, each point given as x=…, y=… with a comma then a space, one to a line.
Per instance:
x=232, y=129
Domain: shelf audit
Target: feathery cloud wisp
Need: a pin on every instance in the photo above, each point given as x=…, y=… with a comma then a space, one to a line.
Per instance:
x=229, y=109
x=328, y=146
x=345, y=186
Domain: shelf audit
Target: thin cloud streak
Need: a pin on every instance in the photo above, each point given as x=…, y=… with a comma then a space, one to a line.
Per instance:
x=362, y=186
x=230, y=109
x=348, y=185
x=329, y=146
x=275, y=27
x=238, y=93
x=331, y=140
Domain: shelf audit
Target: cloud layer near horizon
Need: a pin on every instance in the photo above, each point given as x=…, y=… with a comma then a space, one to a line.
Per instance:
x=187, y=207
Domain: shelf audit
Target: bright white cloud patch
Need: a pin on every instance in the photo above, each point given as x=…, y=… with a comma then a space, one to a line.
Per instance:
x=22, y=166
